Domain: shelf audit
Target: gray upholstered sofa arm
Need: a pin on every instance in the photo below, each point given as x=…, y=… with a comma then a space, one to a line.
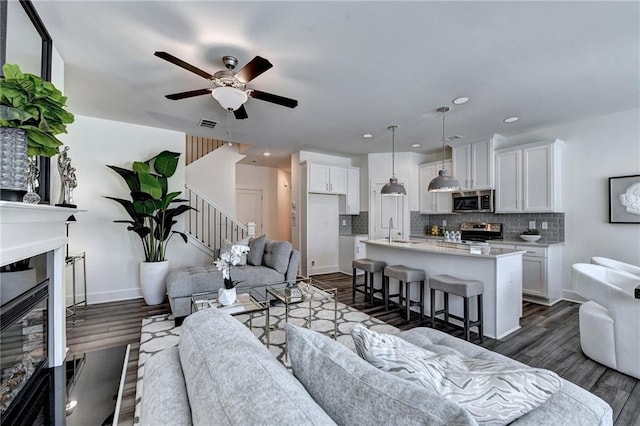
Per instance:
x=165, y=400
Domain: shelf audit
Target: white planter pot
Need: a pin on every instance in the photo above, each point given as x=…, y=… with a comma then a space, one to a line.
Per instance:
x=152, y=281
x=226, y=297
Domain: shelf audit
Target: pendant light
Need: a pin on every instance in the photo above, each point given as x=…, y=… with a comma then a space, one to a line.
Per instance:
x=444, y=182
x=393, y=187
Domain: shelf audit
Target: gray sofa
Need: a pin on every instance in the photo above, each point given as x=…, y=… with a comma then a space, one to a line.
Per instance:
x=268, y=262
x=220, y=373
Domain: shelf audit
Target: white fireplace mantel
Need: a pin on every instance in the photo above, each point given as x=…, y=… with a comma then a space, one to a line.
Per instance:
x=27, y=230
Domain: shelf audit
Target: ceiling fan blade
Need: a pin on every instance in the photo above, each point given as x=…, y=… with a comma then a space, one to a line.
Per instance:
x=179, y=62
x=254, y=68
x=189, y=94
x=240, y=113
x=269, y=97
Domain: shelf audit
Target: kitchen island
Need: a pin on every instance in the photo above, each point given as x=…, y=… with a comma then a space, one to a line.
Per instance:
x=499, y=269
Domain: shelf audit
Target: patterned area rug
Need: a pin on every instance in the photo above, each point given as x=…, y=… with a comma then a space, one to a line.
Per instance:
x=159, y=332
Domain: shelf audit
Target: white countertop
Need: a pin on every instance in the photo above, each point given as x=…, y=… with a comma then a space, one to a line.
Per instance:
x=540, y=243
x=430, y=246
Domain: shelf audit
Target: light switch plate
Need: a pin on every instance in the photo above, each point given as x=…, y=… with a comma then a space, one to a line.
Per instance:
x=544, y=225
x=532, y=224
x=444, y=222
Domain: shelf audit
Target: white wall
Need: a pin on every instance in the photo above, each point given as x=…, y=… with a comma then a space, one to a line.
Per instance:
x=594, y=150
x=276, y=197
x=113, y=253
x=214, y=176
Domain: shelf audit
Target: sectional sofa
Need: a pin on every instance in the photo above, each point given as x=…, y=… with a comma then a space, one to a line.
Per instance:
x=268, y=262
x=220, y=373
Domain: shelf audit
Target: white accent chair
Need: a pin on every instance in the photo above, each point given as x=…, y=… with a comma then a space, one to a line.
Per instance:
x=610, y=320
x=616, y=264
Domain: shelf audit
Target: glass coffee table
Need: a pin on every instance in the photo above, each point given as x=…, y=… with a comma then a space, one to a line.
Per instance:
x=304, y=290
x=249, y=304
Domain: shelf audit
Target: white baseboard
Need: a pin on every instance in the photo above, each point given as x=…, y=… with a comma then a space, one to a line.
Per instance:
x=572, y=296
x=114, y=295
x=317, y=270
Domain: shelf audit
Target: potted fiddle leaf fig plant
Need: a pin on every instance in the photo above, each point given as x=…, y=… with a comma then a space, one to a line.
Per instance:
x=152, y=210
x=32, y=114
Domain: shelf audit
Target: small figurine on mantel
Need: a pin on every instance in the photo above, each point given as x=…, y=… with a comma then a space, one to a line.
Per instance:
x=68, y=180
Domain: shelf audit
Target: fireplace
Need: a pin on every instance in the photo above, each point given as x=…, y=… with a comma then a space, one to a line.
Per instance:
x=32, y=313
x=24, y=333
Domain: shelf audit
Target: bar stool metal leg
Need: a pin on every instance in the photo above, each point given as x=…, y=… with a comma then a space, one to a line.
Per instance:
x=421, y=300
x=480, y=317
x=353, y=286
x=466, y=318
x=433, y=308
x=385, y=284
x=408, y=300
x=446, y=307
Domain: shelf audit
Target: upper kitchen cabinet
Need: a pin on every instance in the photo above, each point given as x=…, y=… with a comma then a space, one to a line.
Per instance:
x=350, y=203
x=528, y=178
x=473, y=164
x=325, y=179
x=433, y=202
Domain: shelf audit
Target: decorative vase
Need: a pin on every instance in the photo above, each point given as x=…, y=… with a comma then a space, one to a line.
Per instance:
x=152, y=281
x=13, y=163
x=226, y=296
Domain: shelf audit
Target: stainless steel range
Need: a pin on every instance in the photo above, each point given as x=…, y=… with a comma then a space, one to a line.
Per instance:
x=480, y=231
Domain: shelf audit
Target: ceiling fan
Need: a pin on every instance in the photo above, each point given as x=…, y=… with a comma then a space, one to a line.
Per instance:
x=229, y=87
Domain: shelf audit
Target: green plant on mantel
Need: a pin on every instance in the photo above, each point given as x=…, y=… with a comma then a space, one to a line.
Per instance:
x=530, y=231
x=152, y=217
x=28, y=102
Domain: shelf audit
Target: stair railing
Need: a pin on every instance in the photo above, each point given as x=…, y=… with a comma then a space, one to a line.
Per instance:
x=210, y=224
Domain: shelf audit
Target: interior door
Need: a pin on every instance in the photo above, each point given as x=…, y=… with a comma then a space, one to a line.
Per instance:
x=249, y=207
x=388, y=214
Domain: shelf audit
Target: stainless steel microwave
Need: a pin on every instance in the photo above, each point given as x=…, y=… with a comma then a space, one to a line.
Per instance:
x=473, y=201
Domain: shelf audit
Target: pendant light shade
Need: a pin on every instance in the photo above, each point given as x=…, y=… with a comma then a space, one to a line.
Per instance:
x=444, y=182
x=393, y=187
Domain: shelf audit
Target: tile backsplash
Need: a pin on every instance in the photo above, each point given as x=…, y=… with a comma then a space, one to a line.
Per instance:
x=513, y=224
x=358, y=224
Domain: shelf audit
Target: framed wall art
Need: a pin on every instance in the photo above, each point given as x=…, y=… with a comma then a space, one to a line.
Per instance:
x=624, y=199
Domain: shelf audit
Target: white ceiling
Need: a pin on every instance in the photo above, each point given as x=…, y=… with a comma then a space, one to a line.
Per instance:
x=354, y=67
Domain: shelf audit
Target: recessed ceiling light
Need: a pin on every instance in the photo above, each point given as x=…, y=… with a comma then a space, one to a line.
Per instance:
x=510, y=119
x=452, y=138
x=460, y=100
x=266, y=154
x=415, y=145
x=367, y=135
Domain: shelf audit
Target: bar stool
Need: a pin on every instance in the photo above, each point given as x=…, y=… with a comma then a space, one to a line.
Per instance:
x=370, y=267
x=407, y=276
x=459, y=287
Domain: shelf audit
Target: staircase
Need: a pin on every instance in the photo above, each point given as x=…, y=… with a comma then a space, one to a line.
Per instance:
x=208, y=225
x=198, y=146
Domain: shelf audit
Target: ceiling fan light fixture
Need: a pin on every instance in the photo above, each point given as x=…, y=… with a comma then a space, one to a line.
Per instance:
x=393, y=187
x=229, y=98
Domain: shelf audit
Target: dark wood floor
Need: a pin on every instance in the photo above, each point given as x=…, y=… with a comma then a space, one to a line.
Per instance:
x=548, y=338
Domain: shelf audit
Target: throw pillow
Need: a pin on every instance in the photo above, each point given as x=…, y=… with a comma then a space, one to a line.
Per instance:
x=256, y=250
x=226, y=247
x=490, y=391
x=353, y=392
x=277, y=254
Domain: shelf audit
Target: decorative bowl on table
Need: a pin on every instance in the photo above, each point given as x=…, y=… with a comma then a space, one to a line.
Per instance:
x=530, y=238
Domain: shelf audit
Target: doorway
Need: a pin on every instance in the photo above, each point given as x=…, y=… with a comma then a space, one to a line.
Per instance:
x=249, y=208
x=388, y=214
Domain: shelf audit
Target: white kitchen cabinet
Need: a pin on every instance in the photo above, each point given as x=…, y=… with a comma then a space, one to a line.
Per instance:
x=472, y=164
x=541, y=271
x=433, y=202
x=528, y=178
x=324, y=179
x=350, y=203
